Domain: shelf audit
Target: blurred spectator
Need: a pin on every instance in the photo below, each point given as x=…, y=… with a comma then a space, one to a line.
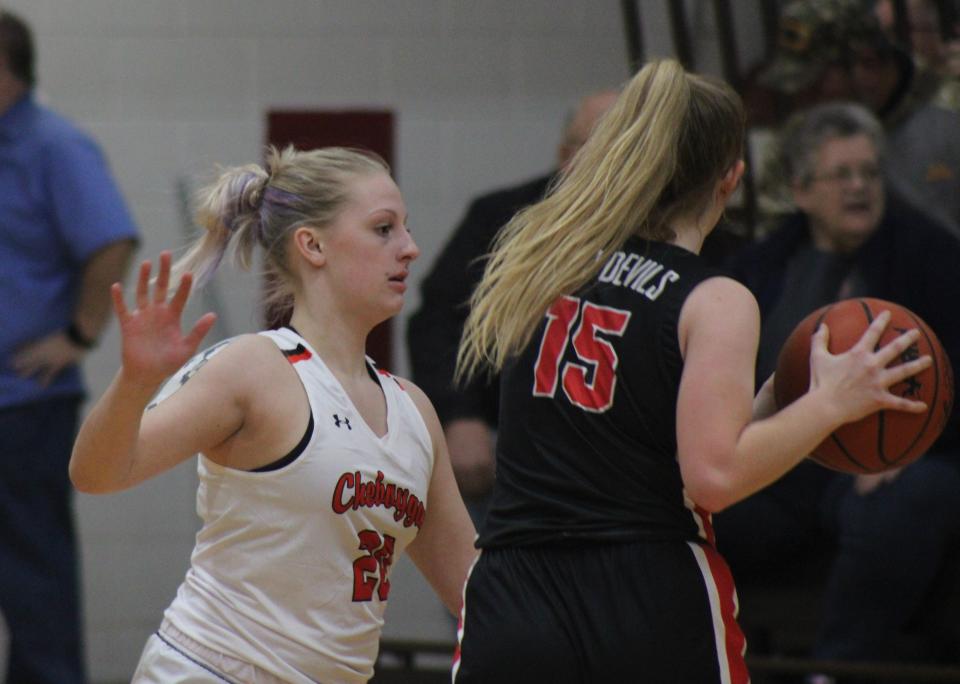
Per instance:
x=932, y=36
x=65, y=236
x=469, y=414
x=850, y=236
x=837, y=50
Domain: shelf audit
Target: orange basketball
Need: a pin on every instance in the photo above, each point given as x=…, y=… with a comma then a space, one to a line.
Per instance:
x=885, y=439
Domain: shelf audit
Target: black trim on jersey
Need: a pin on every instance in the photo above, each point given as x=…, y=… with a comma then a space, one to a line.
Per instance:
x=371, y=371
x=299, y=349
x=193, y=659
x=294, y=453
x=296, y=351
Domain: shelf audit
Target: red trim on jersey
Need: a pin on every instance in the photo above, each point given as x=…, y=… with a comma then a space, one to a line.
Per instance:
x=392, y=377
x=455, y=664
x=706, y=524
x=297, y=354
x=736, y=642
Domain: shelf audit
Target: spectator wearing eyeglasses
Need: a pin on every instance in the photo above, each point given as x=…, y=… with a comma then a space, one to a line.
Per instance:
x=850, y=235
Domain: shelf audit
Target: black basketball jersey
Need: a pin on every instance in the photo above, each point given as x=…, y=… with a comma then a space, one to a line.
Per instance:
x=587, y=443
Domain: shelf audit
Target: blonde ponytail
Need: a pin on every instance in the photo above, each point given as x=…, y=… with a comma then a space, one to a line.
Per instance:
x=627, y=179
x=229, y=212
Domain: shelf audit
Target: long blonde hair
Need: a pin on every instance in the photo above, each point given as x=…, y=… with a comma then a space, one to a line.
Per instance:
x=253, y=205
x=656, y=154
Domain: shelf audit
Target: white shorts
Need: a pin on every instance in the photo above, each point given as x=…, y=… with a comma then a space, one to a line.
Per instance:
x=162, y=662
x=171, y=657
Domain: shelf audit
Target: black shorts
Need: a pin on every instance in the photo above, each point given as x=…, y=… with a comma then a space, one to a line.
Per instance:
x=652, y=612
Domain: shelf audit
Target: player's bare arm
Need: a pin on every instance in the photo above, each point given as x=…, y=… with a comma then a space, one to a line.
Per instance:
x=443, y=550
x=219, y=411
x=729, y=456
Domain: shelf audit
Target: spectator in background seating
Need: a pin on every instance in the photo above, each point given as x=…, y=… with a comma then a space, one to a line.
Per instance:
x=932, y=36
x=469, y=414
x=851, y=236
x=837, y=50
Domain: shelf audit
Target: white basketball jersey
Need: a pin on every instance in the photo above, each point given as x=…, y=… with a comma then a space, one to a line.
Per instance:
x=291, y=568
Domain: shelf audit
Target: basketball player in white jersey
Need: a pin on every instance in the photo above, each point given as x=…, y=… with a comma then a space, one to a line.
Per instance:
x=316, y=469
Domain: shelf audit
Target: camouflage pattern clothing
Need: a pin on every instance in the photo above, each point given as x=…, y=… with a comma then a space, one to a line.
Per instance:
x=922, y=118
x=813, y=34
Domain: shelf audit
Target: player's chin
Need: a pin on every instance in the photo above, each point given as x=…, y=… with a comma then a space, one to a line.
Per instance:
x=391, y=305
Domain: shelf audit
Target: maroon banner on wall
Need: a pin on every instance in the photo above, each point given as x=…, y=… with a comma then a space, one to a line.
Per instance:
x=309, y=129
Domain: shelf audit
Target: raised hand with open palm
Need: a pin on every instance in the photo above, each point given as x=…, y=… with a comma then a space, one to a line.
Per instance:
x=153, y=343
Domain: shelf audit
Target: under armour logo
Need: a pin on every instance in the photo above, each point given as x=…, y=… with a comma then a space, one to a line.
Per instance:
x=337, y=421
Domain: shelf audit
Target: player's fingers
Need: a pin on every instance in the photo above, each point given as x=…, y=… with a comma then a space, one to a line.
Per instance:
x=200, y=329
x=143, y=284
x=902, y=371
x=179, y=300
x=163, y=278
x=119, y=306
x=895, y=403
x=820, y=339
x=873, y=332
x=891, y=351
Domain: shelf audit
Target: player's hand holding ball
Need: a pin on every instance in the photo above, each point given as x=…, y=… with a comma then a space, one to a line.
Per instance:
x=885, y=373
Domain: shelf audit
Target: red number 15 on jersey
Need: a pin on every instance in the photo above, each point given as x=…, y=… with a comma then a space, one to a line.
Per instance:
x=595, y=395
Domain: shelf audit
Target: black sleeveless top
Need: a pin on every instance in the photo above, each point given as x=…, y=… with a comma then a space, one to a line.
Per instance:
x=587, y=443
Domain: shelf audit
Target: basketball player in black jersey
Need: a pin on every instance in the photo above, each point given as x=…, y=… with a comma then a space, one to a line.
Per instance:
x=627, y=412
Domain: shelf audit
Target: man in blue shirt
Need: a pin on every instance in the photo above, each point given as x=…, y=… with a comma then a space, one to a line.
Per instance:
x=65, y=236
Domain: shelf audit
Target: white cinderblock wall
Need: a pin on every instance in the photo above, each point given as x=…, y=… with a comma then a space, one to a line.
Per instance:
x=171, y=87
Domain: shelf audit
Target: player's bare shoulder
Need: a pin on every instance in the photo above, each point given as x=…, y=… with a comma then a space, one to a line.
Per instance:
x=418, y=396
x=719, y=304
x=721, y=289
x=423, y=404
x=233, y=367
x=720, y=296
x=259, y=370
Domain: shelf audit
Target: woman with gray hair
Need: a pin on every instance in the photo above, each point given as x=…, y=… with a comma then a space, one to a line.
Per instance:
x=806, y=132
x=853, y=235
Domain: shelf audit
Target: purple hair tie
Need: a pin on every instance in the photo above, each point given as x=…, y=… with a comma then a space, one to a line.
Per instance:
x=236, y=209
x=274, y=197
x=281, y=197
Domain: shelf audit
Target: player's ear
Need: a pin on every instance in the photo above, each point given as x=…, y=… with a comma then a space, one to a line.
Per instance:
x=731, y=179
x=308, y=242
